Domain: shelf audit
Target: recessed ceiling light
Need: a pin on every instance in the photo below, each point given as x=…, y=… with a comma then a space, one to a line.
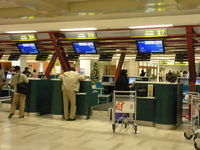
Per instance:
x=78, y=29
x=21, y=31
x=151, y=26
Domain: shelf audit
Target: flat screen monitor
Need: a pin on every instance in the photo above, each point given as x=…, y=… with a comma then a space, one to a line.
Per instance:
x=111, y=79
x=84, y=47
x=150, y=46
x=9, y=76
x=27, y=48
x=197, y=81
x=131, y=80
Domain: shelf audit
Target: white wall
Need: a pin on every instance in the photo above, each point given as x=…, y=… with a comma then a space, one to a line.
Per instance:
x=132, y=67
x=85, y=65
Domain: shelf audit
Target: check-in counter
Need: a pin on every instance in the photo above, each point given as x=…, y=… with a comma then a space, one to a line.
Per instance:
x=46, y=98
x=164, y=109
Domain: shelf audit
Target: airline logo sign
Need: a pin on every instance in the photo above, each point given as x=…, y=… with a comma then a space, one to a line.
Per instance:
x=124, y=107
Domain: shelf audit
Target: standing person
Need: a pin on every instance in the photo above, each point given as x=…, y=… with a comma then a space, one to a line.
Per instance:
x=35, y=75
x=27, y=72
x=18, y=97
x=122, y=82
x=161, y=76
x=142, y=73
x=2, y=77
x=70, y=86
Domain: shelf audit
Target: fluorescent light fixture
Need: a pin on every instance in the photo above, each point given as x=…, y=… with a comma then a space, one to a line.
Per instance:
x=21, y=31
x=151, y=26
x=78, y=29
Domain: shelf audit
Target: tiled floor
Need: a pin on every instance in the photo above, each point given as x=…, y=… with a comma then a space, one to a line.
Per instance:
x=44, y=133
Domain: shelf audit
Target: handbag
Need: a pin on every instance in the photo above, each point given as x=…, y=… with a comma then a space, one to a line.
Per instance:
x=22, y=88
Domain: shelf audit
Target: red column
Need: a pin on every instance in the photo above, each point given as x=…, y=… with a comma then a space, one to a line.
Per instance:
x=59, y=52
x=191, y=59
x=119, y=66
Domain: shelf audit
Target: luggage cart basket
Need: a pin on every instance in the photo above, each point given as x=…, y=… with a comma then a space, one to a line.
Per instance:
x=124, y=103
x=194, y=130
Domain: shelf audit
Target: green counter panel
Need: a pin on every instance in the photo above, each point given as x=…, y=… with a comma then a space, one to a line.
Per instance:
x=166, y=108
x=168, y=103
x=145, y=109
x=46, y=98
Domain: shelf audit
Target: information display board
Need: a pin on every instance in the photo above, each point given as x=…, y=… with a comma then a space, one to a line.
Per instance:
x=80, y=35
x=27, y=48
x=23, y=37
x=149, y=33
x=84, y=47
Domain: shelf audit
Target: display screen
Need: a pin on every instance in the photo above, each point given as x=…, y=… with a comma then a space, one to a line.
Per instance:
x=111, y=80
x=84, y=47
x=131, y=80
x=150, y=46
x=27, y=48
x=197, y=81
x=9, y=76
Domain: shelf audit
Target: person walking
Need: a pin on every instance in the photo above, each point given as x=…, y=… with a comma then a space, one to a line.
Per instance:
x=18, y=97
x=70, y=86
x=2, y=77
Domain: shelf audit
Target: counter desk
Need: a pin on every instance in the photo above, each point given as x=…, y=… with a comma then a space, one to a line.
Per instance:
x=164, y=109
x=46, y=98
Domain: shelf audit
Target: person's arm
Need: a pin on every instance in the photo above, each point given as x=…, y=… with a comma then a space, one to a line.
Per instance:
x=60, y=77
x=81, y=77
x=12, y=82
x=25, y=79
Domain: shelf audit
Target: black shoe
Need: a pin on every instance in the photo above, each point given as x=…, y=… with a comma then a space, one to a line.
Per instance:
x=21, y=117
x=71, y=119
x=10, y=115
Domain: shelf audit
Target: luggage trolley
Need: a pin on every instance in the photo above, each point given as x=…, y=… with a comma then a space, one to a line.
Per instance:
x=124, y=103
x=194, y=130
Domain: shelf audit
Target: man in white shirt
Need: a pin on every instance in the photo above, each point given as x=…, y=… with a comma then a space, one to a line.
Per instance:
x=70, y=86
x=18, y=97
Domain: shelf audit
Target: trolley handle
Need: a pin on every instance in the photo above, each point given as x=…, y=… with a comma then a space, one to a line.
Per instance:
x=192, y=93
x=124, y=91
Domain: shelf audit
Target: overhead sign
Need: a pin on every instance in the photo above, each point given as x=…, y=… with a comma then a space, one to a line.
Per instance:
x=149, y=33
x=80, y=35
x=23, y=37
x=172, y=63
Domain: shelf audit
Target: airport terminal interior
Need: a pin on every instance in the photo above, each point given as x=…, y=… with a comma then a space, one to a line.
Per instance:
x=156, y=42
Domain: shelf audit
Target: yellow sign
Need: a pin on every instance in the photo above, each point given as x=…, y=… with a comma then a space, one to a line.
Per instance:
x=24, y=37
x=159, y=32
x=149, y=33
x=81, y=35
x=172, y=63
x=28, y=37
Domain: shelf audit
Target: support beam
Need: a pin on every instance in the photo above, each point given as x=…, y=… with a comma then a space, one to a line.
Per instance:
x=120, y=64
x=60, y=53
x=191, y=59
x=51, y=64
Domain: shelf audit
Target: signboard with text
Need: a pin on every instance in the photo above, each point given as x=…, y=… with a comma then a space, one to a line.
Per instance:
x=149, y=33
x=23, y=37
x=80, y=35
